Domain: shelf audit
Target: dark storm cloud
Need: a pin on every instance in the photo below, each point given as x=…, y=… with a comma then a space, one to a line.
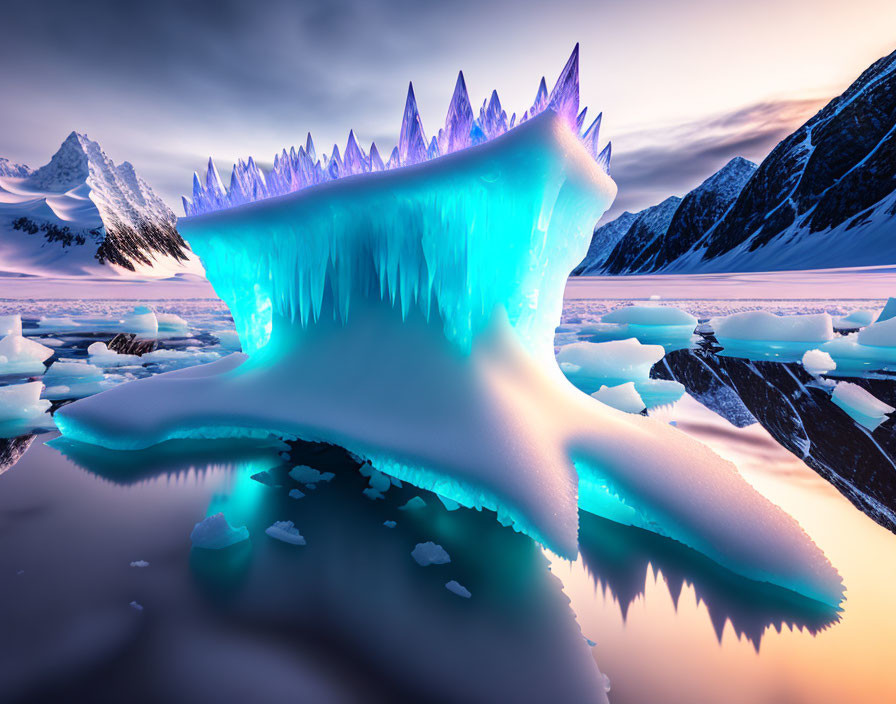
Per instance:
x=650, y=166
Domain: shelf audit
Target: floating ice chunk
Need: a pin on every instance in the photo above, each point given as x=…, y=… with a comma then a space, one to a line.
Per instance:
x=429, y=553
x=135, y=606
x=19, y=355
x=22, y=402
x=595, y=364
x=457, y=588
x=100, y=354
x=651, y=324
x=624, y=397
x=591, y=365
x=142, y=321
x=66, y=380
x=860, y=405
x=888, y=312
x=58, y=324
x=286, y=532
x=763, y=326
x=228, y=339
x=215, y=533
x=414, y=504
x=296, y=494
x=139, y=563
x=169, y=322
x=373, y=494
x=760, y=335
x=308, y=475
x=389, y=524
x=818, y=362
x=879, y=334
x=855, y=319
x=664, y=316
x=10, y=325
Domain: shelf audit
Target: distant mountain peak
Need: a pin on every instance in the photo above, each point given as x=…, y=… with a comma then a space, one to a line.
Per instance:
x=82, y=200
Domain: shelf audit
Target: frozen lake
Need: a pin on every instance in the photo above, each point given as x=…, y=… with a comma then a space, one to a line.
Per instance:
x=350, y=616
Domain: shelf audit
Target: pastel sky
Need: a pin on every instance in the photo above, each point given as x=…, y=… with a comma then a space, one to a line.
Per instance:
x=684, y=86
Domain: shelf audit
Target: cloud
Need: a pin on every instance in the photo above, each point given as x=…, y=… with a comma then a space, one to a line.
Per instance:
x=650, y=165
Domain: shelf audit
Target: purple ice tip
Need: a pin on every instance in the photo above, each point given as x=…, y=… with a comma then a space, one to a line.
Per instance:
x=299, y=168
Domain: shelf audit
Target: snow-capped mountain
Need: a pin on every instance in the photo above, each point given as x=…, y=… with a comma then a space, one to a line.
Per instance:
x=824, y=197
x=646, y=229
x=603, y=242
x=81, y=214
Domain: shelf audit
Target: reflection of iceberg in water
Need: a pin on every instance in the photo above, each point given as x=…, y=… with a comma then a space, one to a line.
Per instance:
x=621, y=558
x=352, y=604
x=408, y=316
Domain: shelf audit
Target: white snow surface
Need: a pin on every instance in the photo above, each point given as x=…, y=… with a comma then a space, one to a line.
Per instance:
x=22, y=402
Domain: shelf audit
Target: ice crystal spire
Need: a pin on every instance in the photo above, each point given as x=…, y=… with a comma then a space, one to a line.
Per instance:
x=412, y=139
x=591, y=136
x=299, y=168
x=564, y=98
x=354, y=162
x=603, y=159
x=460, y=117
x=376, y=161
x=214, y=186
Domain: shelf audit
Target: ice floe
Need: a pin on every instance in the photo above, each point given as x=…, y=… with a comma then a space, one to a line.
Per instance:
x=429, y=553
x=19, y=355
x=215, y=533
x=624, y=397
x=862, y=407
x=286, y=532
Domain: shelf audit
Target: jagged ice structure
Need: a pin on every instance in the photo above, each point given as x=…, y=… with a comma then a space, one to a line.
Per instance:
x=408, y=316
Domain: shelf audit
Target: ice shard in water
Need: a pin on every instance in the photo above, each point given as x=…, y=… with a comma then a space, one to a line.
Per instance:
x=409, y=317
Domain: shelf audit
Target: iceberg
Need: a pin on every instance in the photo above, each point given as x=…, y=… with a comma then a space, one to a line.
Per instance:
x=761, y=335
x=429, y=553
x=215, y=533
x=70, y=380
x=22, y=409
x=593, y=365
x=456, y=587
x=21, y=356
x=142, y=321
x=818, y=362
x=10, y=325
x=855, y=319
x=624, y=397
x=860, y=405
x=408, y=316
x=286, y=532
x=670, y=327
x=871, y=348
